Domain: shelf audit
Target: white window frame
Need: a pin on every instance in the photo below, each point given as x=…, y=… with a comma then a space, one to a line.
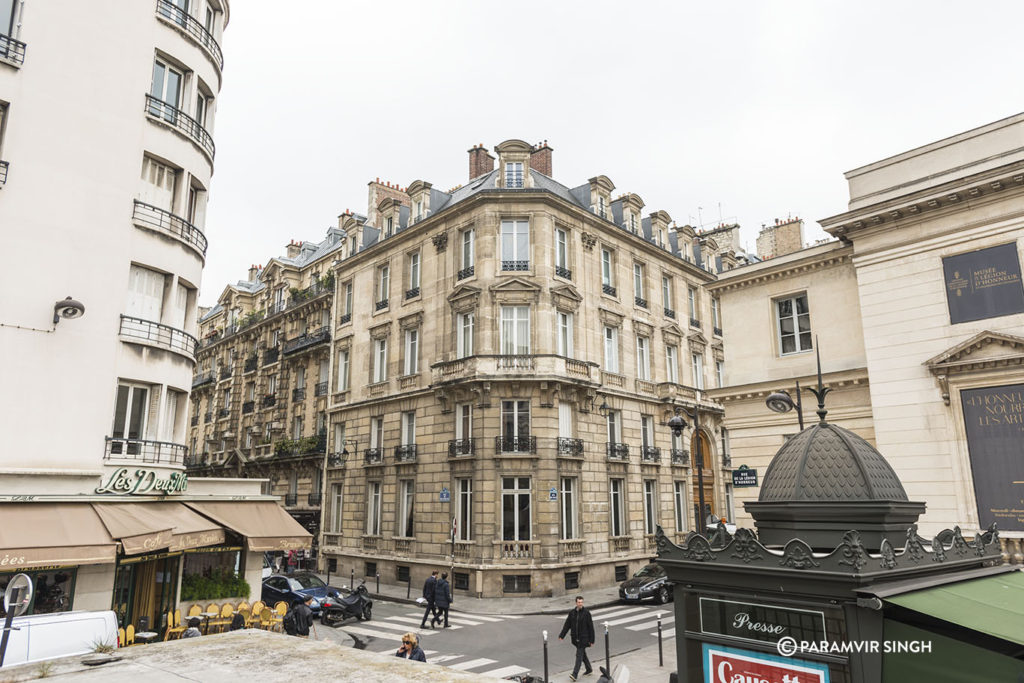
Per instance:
x=468, y=254
x=614, y=424
x=464, y=421
x=569, y=521
x=383, y=283
x=716, y=312
x=337, y=507
x=464, y=512
x=666, y=292
x=672, y=363
x=719, y=373
x=798, y=345
x=414, y=270
x=412, y=344
x=607, y=267
x=647, y=431
x=373, y=491
x=638, y=281
x=516, y=408
x=407, y=507
x=377, y=432
x=561, y=248
x=344, y=368
x=515, y=240
x=514, y=174
x=650, y=505
x=616, y=507
x=643, y=358
x=125, y=433
x=691, y=297
x=564, y=325
x=517, y=491
x=697, y=359
x=515, y=325
x=380, y=360
x=408, y=435
x=464, y=323
x=611, y=349
x=680, y=500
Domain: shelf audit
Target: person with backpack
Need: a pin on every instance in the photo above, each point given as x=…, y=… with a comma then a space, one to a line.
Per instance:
x=442, y=599
x=299, y=618
x=429, y=589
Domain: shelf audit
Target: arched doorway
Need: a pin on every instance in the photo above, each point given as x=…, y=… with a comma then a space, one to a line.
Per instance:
x=709, y=478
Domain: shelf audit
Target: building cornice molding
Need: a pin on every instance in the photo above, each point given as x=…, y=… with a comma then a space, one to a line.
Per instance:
x=760, y=390
x=981, y=353
x=759, y=274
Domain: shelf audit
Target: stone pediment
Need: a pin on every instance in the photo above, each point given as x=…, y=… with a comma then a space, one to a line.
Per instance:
x=610, y=318
x=672, y=331
x=696, y=338
x=464, y=298
x=984, y=350
x=566, y=297
x=515, y=290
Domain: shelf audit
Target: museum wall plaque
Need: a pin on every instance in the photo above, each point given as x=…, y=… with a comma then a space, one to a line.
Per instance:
x=983, y=284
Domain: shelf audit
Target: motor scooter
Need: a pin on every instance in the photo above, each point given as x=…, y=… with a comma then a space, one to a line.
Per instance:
x=335, y=608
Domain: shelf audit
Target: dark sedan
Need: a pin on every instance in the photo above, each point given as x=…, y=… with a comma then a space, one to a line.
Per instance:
x=648, y=582
x=297, y=586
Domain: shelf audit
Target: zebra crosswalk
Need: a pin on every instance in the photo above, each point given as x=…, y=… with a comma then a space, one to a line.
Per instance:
x=387, y=632
x=635, y=618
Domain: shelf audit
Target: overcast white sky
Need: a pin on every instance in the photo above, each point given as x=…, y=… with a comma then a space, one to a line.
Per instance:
x=754, y=107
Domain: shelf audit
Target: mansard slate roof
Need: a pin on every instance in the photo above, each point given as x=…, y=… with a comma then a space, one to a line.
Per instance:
x=829, y=463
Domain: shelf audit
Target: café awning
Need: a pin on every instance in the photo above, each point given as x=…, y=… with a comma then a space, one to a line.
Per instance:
x=146, y=527
x=992, y=605
x=265, y=524
x=46, y=534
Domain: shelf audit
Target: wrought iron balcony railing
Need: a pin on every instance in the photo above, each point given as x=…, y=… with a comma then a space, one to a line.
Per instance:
x=307, y=445
x=194, y=420
x=269, y=400
x=291, y=500
x=182, y=122
x=208, y=417
x=567, y=446
x=640, y=301
x=225, y=373
x=650, y=454
x=320, y=389
x=144, y=450
x=299, y=394
x=251, y=363
x=717, y=331
x=345, y=318
x=223, y=412
x=412, y=293
x=381, y=305
x=270, y=356
x=609, y=290
x=562, y=271
x=466, y=272
x=669, y=313
x=163, y=221
x=201, y=379
x=373, y=456
x=248, y=407
x=510, y=264
x=157, y=334
x=196, y=31
x=694, y=323
x=304, y=341
x=617, y=451
x=405, y=453
x=12, y=50
x=515, y=444
x=461, y=447
x=315, y=499
x=680, y=456
x=3, y=172
x=321, y=286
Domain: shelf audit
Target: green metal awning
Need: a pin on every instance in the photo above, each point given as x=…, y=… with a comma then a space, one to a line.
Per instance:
x=992, y=605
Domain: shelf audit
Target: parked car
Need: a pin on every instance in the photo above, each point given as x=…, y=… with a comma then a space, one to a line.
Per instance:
x=292, y=587
x=60, y=634
x=649, y=582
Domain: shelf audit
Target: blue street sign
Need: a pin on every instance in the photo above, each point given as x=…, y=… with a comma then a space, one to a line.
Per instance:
x=445, y=496
x=553, y=493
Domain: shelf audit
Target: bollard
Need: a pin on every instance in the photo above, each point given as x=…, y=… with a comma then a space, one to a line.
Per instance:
x=408, y=587
x=352, y=581
x=661, y=654
x=378, y=583
x=546, y=657
x=607, y=653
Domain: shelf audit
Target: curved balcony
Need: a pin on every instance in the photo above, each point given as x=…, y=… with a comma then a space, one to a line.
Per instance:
x=144, y=450
x=12, y=51
x=304, y=341
x=137, y=330
x=3, y=172
x=157, y=219
x=536, y=365
x=169, y=115
x=190, y=26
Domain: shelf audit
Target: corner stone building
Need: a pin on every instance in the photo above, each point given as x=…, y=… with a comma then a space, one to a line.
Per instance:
x=503, y=360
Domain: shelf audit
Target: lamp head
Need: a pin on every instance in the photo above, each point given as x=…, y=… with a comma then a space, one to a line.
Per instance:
x=677, y=424
x=69, y=309
x=603, y=409
x=780, y=402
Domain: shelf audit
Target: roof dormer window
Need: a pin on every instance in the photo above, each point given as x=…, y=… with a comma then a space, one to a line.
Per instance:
x=389, y=226
x=632, y=223
x=514, y=174
x=602, y=211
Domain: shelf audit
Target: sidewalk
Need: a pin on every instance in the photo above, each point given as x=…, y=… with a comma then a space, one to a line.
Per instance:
x=642, y=665
x=594, y=598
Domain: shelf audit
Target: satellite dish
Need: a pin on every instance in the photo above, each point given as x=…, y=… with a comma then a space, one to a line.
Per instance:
x=18, y=595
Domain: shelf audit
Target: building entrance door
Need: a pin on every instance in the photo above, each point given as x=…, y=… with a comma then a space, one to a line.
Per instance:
x=709, y=480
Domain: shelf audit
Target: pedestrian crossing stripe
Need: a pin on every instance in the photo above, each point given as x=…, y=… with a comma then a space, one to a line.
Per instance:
x=363, y=631
x=616, y=612
x=651, y=624
x=408, y=620
x=473, y=664
x=505, y=671
x=632, y=617
x=666, y=633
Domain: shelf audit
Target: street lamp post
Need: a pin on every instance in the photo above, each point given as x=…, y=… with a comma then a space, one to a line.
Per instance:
x=782, y=402
x=677, y=424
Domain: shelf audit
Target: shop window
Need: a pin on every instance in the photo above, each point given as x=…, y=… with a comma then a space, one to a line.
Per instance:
x=52, y=590
x=516, y=583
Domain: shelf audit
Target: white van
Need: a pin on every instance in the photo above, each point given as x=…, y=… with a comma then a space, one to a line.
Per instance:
x=61, y=634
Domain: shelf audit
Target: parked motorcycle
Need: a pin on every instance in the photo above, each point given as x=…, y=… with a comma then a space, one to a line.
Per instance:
x=335, y=608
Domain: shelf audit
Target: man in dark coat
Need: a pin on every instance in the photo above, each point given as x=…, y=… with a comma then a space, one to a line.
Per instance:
x=303, y=616
x=429, y=589
x=443, y=599
x=581, y=627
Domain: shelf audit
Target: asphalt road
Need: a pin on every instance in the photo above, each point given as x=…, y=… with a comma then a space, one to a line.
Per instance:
x=502, y=645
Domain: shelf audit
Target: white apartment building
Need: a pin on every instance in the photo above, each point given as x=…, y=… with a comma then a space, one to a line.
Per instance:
x=106, y=140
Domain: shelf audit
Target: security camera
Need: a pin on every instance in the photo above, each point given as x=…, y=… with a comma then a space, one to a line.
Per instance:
x=68, y=308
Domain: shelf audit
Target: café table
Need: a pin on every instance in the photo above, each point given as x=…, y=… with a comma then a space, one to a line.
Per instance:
x=146, y=636
x=206, y=620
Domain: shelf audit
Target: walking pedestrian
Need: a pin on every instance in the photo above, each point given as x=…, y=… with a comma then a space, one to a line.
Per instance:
x=429, y=587
x=299, y=618
x=411, y=649
x=443, y=599
x=293, y=561
x=581, y=626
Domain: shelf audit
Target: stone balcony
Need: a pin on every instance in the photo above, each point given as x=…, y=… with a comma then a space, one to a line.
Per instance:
x=502, y=366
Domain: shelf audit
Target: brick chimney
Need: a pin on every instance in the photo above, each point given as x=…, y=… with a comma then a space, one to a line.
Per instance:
x=293, y=249
x=540, y=158
x=480, y=161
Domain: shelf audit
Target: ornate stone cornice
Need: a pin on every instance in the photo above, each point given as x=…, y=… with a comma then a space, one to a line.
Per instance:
x=768, y=271
x=566, y=298
x=982, y=352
